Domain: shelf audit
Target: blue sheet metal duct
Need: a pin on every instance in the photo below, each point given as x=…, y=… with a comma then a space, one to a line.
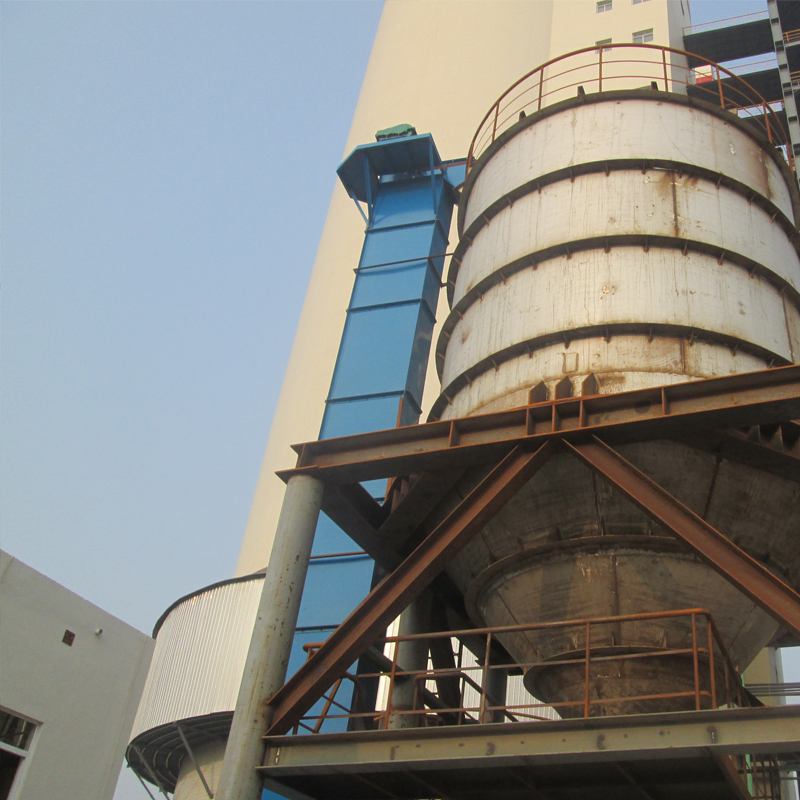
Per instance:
x=383, y=356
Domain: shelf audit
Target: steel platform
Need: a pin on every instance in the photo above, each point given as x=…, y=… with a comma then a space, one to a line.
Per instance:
x=683, y=755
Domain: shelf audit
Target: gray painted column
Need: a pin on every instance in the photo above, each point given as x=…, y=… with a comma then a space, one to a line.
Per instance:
x=271, y=643
x=496, y=685
x=411, y=655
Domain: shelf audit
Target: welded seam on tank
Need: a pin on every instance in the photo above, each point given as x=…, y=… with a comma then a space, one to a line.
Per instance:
x=484, y=219
x=568, y=249
x=590, y=545
x=606, y=331
x=628, y=94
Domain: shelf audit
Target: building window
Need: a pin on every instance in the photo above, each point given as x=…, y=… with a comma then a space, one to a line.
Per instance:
x=636, y=2
x=601, y=45
x=642, y=37
x=16, y=734
x=603, y=5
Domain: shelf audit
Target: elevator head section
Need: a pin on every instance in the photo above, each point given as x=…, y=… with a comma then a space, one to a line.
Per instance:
x=611, y=241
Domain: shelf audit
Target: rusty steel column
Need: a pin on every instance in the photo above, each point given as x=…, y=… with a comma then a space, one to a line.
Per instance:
x=397, y=590
x=271, y=643
x=720, y=553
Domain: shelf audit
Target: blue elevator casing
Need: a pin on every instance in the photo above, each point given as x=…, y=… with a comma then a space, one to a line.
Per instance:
x=380, y=369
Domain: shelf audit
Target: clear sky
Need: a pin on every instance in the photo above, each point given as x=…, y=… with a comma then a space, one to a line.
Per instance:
x=166, y=170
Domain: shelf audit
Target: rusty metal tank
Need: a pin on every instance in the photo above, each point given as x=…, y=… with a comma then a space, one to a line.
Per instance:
x=643, y=238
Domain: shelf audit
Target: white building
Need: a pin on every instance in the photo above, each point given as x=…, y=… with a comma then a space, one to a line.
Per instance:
x=71, y=676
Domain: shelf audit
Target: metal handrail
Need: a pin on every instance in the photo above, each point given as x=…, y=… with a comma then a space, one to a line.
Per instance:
x=727, y=22
x=543, y=86
x=708, y=653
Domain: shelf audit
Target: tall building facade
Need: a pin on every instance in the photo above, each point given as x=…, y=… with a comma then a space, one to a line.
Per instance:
x=437, y=66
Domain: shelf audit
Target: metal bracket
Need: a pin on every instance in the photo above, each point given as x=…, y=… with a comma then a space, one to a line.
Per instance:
x=151, y=771
x=194, y=760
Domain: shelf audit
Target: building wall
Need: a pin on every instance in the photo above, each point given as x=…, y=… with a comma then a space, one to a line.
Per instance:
x=438, y=65
x=82, y=696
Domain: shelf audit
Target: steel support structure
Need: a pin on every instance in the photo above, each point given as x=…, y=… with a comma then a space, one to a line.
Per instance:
x=271, y=641
x=403, y=585
x=491, y=747
x=720, y=553
x=734, y=401
x=194, y=761
x=726, y=410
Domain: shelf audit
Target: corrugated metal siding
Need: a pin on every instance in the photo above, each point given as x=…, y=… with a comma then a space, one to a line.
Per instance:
x=199, y=656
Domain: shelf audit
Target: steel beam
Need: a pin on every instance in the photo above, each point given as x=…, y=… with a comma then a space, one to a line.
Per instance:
x=735, y=401
x=772, y=729
x=352, y=508
x=777, y=453
x=748, y=575
x=424, y=494
x=398, y=589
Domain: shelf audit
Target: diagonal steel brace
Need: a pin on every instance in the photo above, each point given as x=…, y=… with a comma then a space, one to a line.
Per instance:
x=397, y=590
x=751, y=577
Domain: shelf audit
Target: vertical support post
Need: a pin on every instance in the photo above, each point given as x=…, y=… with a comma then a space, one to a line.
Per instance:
x=541, y=79
x=587, y=675
x=666, y=78
x=695, y=657
x=410, y=656
x=485, y=677
x=496, y=684
x=599, y=69
x=711, y=663
x=271, y=642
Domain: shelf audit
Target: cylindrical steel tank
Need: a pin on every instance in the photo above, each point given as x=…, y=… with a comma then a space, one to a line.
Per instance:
x=642, y=238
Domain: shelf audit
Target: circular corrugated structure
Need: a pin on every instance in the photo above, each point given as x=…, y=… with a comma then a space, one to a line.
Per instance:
x=643, y=239
x=201, y=647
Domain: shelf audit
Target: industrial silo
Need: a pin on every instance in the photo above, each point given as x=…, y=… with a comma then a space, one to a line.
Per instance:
x=612, y=240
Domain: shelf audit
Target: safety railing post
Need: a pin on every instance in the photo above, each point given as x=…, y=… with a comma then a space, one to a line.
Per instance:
x=696, y=663
x=711, y=663
x=586, y=675
x=485, y=677
x=390, y=693
x=599, y=69
x=541, y=80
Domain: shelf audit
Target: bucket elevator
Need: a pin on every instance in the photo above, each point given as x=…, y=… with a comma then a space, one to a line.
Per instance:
x=597, y=529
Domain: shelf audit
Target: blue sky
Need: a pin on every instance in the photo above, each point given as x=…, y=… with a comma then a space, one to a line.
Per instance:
x=166, y=170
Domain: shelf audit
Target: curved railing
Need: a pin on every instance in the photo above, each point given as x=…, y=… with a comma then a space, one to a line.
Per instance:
x=625, y=66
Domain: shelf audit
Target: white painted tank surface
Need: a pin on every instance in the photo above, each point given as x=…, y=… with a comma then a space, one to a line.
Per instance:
x=646, y=239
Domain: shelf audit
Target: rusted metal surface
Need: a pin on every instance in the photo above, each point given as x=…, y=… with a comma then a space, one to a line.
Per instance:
x=396, y=591
x=769, y=396
x=352, y=508
x=748, y=575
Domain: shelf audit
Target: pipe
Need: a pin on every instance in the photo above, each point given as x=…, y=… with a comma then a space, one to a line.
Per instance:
x=412, y=656
x=271, y=643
